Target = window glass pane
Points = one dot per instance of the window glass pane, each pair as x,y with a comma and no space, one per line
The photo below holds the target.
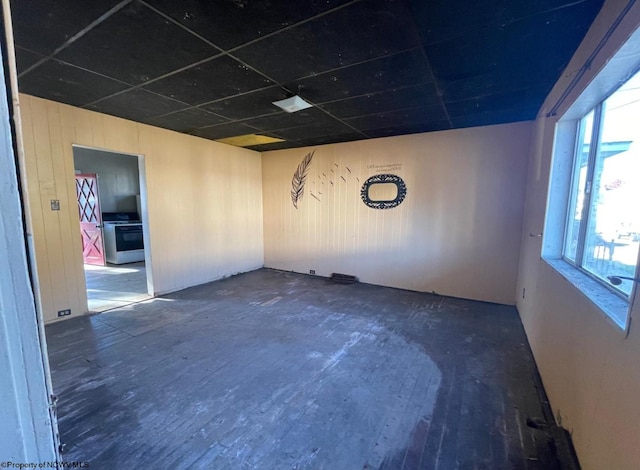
613,229
577,187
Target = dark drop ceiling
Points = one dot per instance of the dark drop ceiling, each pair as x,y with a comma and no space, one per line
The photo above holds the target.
371,68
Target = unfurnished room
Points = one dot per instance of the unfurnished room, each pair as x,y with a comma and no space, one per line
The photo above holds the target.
338,234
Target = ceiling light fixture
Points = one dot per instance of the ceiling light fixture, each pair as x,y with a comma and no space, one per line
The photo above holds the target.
293,104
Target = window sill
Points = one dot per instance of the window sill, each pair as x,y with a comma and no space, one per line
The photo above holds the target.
614,307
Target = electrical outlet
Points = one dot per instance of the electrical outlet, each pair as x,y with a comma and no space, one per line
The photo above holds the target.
312,271
55,204
64,313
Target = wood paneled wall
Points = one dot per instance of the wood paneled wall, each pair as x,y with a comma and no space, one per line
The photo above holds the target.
457,232
204,201
589,367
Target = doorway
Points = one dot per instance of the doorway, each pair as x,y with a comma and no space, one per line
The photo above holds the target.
111,195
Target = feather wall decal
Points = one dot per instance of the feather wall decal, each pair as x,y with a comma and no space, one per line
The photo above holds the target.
299,178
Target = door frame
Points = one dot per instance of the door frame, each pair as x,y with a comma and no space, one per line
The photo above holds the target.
144,216
29,417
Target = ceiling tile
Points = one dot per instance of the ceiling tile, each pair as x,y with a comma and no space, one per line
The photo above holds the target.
399,70
306,117
424,114
218,20
44,33
25,59
523,100
249,105
333,139
187,119
210,81
312,132
358,32
409,128
135,45
231,129
494,117
64,83
442,21
394,99
507,58
137,105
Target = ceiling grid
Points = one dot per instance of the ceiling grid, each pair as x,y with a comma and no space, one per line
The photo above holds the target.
371,68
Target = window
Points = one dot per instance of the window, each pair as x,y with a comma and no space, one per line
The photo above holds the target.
602,231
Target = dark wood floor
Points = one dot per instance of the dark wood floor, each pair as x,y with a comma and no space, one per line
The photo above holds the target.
273,370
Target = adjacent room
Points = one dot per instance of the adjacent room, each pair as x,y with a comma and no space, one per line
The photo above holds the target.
369,234
109,206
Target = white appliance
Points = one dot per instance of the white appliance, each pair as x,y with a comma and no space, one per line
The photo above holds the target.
123,237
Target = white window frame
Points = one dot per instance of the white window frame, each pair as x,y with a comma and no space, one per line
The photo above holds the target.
614,304
596,134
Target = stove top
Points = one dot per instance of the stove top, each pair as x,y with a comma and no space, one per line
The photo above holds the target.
118,218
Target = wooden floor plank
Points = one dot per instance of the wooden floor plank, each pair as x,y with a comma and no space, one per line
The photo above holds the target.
278,370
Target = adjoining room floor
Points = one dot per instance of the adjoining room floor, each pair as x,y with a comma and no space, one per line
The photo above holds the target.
275,370
113,285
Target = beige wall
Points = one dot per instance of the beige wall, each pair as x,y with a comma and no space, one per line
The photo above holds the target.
591,372
204,201
457,232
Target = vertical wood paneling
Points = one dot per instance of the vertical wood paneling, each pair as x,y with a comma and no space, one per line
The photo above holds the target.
456,233
82,125
204,201
97,131
74,244
68,232
44,296
49,232
589,367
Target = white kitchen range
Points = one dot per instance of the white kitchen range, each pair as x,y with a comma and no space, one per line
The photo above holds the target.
123,240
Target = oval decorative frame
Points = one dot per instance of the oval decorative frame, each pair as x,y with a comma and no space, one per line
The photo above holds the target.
385,178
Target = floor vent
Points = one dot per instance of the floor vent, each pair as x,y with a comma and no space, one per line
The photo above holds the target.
338,278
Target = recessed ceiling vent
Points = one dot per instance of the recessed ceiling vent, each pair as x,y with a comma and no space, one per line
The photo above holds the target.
293,104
